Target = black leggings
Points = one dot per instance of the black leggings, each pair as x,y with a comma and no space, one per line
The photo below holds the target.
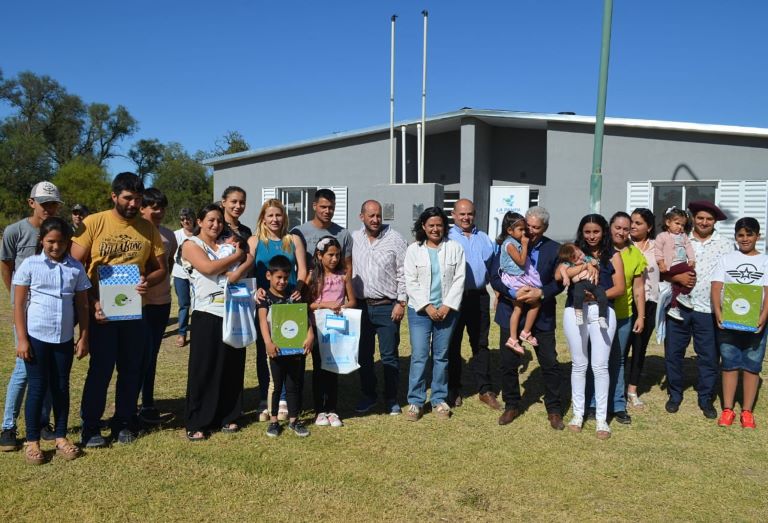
639,344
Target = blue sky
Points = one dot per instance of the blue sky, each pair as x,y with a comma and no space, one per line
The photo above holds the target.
285,71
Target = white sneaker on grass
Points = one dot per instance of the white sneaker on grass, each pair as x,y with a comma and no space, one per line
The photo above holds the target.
322,420
334,420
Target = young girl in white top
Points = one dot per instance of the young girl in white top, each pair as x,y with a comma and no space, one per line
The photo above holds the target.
48,288
517,272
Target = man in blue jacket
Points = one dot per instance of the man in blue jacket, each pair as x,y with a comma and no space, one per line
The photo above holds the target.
543,255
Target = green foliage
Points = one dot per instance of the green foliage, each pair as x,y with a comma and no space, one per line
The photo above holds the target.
183,180
83,181
147,155
232,142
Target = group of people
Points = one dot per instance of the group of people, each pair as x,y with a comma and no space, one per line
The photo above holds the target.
613,272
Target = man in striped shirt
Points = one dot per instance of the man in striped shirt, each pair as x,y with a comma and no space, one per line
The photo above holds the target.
378,281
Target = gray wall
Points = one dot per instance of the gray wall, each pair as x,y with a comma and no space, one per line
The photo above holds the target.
408,200
636,155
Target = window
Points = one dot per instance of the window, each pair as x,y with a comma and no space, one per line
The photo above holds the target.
298,204
666,195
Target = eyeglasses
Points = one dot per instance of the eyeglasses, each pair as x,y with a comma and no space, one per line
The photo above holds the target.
185,219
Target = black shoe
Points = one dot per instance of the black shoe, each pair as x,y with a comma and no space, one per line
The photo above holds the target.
274,430
93,441
48,433
622,417
150,416
299,429
8,441
591,414
673,407
709,411
126,436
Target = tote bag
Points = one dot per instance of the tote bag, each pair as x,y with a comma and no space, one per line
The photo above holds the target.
239,327
339,348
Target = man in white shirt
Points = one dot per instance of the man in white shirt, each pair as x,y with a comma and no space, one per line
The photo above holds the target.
698,322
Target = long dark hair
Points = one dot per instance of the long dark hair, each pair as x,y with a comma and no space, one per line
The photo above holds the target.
605,246
418,226
318,272
54,223
510,219
204,211
649,219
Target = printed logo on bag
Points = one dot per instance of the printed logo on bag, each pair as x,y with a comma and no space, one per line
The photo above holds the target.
745,273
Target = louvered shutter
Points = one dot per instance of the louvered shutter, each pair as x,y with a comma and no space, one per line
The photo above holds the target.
268,193
743,198
340,214
638,195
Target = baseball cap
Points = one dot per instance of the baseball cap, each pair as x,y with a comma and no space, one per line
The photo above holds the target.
44,192
79,207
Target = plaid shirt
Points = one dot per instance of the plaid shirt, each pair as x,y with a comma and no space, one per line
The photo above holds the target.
377,266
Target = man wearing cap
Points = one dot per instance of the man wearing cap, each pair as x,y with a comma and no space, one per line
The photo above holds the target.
79,212
698,322
19,242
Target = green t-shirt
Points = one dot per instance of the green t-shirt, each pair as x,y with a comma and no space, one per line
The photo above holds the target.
634,266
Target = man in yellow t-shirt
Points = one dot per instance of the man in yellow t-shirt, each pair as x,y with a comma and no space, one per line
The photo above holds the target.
118,236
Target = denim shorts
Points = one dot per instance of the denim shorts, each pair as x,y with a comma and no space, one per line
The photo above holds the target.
742,350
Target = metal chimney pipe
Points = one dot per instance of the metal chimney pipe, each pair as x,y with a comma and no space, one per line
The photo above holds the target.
392,104
423,102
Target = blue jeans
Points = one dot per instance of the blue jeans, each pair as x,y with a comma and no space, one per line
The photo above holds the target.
14,396
377,320
184,295
429,336
48,373
700,325
617,399
155,319
113,344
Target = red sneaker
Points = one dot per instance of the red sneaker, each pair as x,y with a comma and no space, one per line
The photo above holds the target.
727,417
747,419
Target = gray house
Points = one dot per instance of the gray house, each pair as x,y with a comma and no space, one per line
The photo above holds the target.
506,160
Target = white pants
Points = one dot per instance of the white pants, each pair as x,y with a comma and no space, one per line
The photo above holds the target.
578,337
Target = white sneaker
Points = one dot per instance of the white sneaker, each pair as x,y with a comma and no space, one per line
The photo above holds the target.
674,313
322,420
685,300
264,415
579,316
282,411
334,420
603,430
603,323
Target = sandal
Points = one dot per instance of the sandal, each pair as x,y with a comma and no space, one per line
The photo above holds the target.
230,428
32,453
528,337
634,401
515,345
196,435
181,340
67,450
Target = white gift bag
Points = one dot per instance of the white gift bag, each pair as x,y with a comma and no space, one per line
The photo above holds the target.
338,347
239,327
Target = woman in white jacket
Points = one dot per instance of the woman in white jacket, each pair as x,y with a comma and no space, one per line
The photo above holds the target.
434,282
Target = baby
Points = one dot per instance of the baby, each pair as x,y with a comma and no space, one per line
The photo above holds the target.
571,257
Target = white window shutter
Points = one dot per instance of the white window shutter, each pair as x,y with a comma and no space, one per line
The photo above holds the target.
638,195
268,193
340,214
743,198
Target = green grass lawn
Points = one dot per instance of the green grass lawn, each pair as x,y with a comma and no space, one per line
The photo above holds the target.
661,468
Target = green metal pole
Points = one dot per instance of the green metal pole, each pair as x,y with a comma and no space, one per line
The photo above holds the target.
596,179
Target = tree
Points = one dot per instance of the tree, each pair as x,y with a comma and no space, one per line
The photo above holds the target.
232,142
81,180
183,180
147,155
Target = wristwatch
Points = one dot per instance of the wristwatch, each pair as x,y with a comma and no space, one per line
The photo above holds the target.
403,303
